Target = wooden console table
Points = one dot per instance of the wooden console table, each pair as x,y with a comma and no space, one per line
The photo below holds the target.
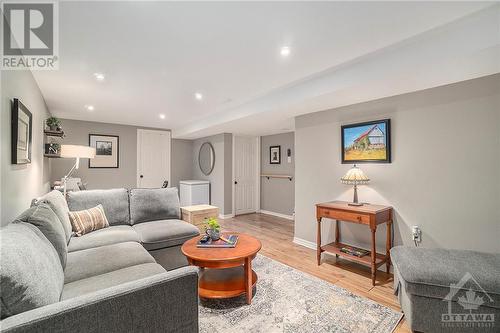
369,215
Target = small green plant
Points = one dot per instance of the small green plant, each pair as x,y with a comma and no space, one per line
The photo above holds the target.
53,122
213,224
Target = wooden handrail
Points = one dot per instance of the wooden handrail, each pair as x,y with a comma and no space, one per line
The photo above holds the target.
268,176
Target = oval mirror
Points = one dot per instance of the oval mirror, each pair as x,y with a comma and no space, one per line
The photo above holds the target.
206,158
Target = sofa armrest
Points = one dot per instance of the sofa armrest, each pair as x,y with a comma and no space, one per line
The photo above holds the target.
166,302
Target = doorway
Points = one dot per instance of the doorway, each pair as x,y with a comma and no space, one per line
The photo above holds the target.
153,158
246,160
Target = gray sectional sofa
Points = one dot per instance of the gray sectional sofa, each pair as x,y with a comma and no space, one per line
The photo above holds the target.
124,278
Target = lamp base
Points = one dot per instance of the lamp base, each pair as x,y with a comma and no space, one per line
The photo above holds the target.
355,204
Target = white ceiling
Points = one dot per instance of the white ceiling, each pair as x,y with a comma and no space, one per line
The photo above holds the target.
156,55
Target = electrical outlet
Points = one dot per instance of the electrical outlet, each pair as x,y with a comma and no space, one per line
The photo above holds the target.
416,233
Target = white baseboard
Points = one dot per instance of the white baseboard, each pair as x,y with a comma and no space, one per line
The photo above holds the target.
305,243
227,216
283,216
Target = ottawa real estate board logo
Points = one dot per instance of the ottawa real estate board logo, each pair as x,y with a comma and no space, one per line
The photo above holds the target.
468,307
30,38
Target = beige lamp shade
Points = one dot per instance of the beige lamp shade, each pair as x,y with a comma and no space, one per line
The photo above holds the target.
75,151
355,176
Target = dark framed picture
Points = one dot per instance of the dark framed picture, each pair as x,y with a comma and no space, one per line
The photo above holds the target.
107,151
21,131
368,142
275,155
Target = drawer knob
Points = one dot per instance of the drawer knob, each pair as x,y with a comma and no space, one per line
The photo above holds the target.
359,218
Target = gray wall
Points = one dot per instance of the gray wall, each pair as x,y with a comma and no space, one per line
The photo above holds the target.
277,195
77,132
21,183
182,161
444,174
220,178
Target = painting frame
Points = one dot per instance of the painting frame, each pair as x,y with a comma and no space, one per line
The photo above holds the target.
273,149
362,125
108,152
21,133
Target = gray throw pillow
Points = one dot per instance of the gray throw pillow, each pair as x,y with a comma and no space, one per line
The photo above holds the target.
154,204
55,199
31,275
42,217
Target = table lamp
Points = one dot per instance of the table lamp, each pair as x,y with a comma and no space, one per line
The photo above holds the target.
355,177
74,151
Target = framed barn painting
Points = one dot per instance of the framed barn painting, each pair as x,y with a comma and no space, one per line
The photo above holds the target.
107,150
21,131
368,142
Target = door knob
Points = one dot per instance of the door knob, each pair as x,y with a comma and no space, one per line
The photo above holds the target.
141,176
235,182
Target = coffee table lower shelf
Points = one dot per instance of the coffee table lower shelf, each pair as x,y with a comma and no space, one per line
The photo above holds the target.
223,283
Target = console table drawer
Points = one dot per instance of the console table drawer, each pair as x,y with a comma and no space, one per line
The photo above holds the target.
344,216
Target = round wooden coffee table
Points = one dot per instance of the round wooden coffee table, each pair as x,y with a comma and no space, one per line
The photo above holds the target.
226,272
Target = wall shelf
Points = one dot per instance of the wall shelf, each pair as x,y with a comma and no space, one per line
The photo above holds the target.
59,134
268,176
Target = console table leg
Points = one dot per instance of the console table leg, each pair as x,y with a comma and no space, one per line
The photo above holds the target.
248,279
388,246
337,235
374,256
318,241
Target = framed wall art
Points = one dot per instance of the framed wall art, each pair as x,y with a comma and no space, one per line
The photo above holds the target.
107,151
367,142
21,131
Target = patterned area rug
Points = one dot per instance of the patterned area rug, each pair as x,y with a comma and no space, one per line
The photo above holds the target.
288,300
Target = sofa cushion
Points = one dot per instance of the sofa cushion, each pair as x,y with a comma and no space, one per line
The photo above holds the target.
154,204
42,217
99,260
31,274
88,220
55,199
107,236
165,233
430,272
110,279
114,202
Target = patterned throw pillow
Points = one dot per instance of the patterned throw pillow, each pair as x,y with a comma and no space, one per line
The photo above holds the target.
85,221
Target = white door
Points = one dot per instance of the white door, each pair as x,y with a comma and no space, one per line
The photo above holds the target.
245,174
153,158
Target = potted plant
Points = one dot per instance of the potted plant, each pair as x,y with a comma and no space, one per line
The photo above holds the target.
213,228
53,123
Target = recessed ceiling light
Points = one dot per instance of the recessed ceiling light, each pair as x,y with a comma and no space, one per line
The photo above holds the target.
162,116
99,76
90,107
198,96
285,51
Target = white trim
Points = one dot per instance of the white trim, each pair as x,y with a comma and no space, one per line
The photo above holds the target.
257,174
232,178
227,216
305,243
283,216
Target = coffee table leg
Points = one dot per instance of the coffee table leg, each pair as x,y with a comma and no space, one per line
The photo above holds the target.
248,279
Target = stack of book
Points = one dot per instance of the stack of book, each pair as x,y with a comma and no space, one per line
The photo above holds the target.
226,241
355,251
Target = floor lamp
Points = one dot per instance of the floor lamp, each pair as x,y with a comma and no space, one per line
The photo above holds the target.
77,152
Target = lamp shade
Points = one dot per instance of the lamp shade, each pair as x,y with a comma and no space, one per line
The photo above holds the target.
75,151
355,176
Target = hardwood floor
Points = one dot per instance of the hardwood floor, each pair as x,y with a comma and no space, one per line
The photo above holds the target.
276,235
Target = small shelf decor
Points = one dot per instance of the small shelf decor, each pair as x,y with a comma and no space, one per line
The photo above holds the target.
53,134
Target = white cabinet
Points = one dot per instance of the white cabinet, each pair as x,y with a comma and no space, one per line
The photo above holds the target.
194,192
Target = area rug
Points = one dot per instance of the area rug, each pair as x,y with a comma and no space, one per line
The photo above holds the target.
288,300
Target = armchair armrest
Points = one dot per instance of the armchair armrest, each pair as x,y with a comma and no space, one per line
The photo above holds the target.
166,302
